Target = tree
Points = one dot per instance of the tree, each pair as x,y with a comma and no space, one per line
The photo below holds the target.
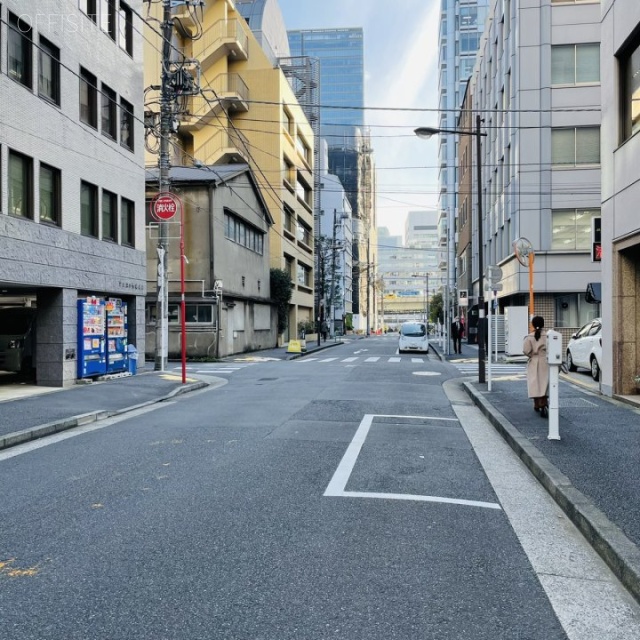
281,292
436,308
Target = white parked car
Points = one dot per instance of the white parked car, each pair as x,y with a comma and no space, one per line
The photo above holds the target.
413,337
585,348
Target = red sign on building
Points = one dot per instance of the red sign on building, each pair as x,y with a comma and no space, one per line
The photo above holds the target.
164,206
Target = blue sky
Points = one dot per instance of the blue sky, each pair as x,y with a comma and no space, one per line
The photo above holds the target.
401,56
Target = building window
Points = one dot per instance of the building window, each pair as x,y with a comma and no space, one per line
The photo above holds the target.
49,71
304,275
241,233
126,124
88,209
193,314
90,8
109,216
303,149
109,109
575,64
287,121
630,87
575,147
571,229
50,194
125,28
20,64
20,185
127,222
88,98
108,17
303,191
289,220
304,234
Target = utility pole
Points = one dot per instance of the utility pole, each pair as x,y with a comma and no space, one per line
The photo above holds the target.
166,114
332,310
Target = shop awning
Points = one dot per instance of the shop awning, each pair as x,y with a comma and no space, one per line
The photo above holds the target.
593,293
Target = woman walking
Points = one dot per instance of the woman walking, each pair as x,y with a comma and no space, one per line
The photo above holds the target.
535,348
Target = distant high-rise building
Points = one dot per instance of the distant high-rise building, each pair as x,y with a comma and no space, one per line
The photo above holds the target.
461,26
341,55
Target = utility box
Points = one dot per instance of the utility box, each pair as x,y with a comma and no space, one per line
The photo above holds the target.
554,347
516,328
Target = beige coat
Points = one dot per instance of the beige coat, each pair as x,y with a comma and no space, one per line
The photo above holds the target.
537,367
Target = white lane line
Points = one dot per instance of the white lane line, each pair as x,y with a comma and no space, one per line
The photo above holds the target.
374,359
395,359
417,360
303,360
349,359
328,360
337,484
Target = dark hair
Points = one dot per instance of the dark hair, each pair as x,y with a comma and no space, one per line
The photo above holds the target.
537,322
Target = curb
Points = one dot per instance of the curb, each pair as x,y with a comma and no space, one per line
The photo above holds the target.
42,431
620,554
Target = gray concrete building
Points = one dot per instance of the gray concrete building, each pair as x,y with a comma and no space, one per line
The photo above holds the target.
71,170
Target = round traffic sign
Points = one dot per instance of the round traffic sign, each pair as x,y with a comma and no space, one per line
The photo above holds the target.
164,206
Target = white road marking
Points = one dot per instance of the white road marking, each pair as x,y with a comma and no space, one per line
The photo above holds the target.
417,360
336,487
373,359
328,360
395,359
349,359
426,373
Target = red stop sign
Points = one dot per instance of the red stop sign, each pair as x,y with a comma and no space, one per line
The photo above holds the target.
164,206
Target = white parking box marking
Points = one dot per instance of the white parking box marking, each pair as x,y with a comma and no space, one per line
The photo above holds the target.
338,483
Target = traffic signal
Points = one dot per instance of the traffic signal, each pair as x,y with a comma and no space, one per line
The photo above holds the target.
596,239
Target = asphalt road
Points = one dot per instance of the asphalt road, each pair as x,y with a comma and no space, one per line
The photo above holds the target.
353,495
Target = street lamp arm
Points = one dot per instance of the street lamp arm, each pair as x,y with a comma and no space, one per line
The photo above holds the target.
428,132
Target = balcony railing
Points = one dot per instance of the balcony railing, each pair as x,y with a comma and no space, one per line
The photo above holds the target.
227,145
227,92
223,38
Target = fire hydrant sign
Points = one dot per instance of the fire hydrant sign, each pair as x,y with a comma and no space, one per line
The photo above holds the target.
164,206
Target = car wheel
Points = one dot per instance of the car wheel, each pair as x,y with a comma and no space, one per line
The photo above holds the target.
570,365
595,369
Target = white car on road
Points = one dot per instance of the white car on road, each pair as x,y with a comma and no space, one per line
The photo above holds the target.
585,348
413,337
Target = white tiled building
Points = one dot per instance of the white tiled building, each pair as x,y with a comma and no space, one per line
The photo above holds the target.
71,167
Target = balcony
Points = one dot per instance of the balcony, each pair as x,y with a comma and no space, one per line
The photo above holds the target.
224,147
225,38
226,93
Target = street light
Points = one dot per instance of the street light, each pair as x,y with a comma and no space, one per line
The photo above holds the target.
426,133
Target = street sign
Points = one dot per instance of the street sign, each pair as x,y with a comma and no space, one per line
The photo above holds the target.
596,239
493,286
463,298
493,273
164,206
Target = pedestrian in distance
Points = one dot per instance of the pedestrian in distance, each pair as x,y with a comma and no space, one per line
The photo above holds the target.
456,335
324,331
535,348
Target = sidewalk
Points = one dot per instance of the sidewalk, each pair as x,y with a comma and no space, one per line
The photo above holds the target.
592,472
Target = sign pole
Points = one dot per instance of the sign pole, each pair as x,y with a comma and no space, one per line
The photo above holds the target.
489,342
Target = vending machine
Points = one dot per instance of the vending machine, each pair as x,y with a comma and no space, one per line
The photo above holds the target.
92,357
117,329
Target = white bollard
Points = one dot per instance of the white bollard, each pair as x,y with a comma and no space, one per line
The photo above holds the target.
554,358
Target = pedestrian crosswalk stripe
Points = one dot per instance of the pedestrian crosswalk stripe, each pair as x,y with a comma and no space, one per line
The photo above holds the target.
417,360
395,359
374,359
328,360
350,359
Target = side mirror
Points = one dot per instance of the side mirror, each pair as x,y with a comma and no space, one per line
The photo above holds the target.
575,335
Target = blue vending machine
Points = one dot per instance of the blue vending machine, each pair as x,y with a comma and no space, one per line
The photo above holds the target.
92,357
117,330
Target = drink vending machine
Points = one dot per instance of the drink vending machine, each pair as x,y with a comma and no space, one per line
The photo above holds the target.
92,359
117,330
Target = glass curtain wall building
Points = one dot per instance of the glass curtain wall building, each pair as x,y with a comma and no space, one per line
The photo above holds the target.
461,26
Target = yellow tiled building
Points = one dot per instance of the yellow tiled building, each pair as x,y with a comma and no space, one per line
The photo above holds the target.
246,112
